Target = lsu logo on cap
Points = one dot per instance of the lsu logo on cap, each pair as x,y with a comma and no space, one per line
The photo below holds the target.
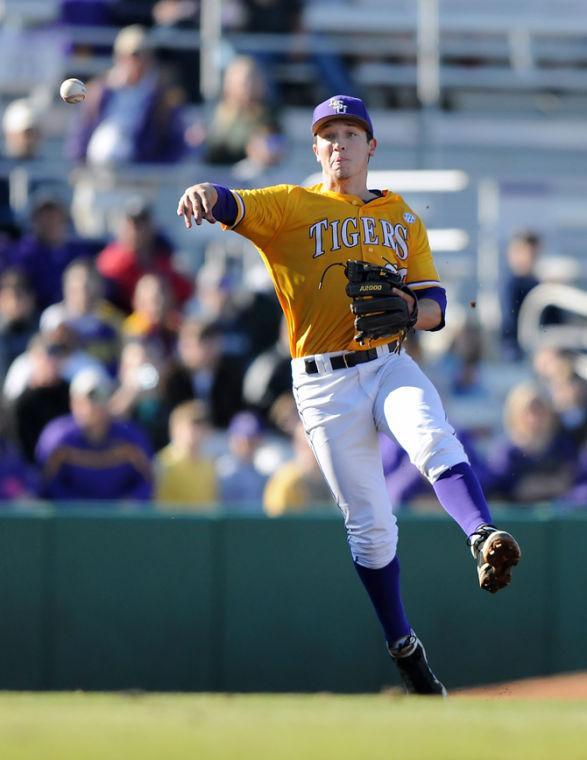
337,105
409,218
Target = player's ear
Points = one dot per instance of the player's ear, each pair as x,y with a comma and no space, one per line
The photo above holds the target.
315,149
372,146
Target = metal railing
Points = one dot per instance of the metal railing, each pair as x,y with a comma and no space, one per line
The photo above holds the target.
570,300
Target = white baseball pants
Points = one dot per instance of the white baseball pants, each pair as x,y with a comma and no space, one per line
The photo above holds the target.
342,412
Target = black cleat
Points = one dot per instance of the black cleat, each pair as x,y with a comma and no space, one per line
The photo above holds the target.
496,552
414,670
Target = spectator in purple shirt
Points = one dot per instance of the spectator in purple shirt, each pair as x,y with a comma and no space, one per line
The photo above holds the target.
130,115
535,460
43,254
88,455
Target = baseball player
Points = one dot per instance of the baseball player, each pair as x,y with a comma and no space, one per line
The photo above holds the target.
353,272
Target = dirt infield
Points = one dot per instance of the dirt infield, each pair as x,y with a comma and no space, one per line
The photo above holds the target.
565,686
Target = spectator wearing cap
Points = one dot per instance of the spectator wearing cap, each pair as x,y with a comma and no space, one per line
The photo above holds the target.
185,478
88,455
241,482
140,248
45,251
95,321
130,115
21,129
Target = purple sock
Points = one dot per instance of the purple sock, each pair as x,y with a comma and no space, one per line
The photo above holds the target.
383,588
459,492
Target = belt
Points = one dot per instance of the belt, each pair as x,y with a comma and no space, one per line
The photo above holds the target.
351,359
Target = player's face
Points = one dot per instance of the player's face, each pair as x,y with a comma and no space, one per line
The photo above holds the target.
89,414
343,150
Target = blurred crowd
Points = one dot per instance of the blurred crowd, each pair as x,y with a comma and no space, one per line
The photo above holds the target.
127,380
135,113
124,379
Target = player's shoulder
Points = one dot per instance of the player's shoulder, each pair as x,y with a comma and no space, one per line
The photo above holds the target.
269,190
401,208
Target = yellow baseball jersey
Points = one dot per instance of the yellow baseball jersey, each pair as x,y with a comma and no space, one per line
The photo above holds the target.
299,231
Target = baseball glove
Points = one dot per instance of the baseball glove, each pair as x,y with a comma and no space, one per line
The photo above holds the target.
379,311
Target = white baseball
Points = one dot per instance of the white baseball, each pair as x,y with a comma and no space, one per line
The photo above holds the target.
73,91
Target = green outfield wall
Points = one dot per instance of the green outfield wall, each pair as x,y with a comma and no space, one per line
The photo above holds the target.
99,600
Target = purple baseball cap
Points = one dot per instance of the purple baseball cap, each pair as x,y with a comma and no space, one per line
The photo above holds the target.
341,107
245,425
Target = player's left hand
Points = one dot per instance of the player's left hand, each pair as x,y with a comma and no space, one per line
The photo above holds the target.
197,202
407,297
383,305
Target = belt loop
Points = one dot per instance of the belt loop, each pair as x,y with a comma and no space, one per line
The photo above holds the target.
323,364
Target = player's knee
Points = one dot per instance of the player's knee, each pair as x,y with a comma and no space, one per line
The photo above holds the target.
373,549
440,450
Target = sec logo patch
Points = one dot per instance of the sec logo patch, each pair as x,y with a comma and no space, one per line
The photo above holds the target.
409,218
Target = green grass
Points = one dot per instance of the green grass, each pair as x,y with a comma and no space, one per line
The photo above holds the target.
79,726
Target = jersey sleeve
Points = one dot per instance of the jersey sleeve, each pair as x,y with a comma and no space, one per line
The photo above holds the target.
261,213
421,268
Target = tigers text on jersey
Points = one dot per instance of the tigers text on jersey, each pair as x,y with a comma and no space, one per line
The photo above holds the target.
299,231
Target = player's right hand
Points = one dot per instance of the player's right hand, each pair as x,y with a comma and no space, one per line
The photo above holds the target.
197,203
